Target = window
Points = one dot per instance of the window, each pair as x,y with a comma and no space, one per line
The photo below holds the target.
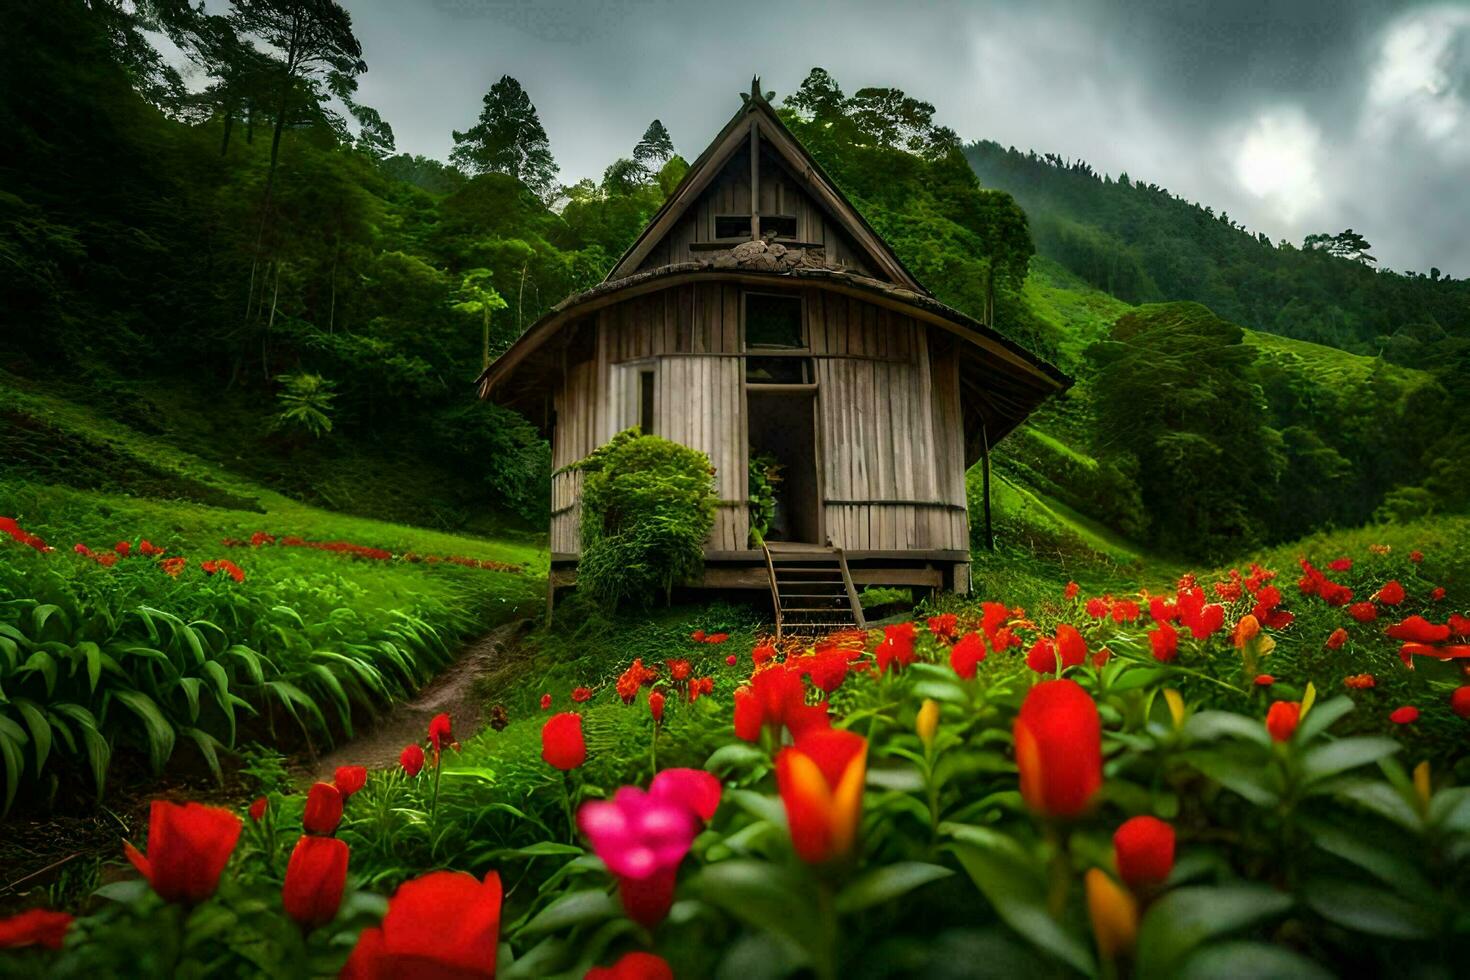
779,370
645,402
732,226
773,321
779,226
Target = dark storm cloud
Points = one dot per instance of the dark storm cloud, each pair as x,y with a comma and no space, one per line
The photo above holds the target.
1294,116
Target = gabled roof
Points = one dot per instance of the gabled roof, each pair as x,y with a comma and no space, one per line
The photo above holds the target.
756,114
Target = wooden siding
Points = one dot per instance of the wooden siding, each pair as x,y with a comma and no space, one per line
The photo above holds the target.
889,436
780,193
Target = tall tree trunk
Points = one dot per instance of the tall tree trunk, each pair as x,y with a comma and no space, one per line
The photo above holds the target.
224,144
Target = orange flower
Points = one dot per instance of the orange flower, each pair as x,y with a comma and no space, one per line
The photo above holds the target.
1246,630
820,779
1058,749
1359,681
1114,915
1281,720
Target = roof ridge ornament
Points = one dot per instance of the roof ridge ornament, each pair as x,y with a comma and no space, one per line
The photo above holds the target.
755,94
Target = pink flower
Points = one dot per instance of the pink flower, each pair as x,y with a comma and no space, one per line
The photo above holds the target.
642,836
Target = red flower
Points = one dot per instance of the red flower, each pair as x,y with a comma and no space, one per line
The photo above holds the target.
655,708
349,779
731,660
1098,608
637,965
1459,626
827,669
37,927
581,695
441,733
967,654
1416,556
1417,629
173,566
943,626
315,878
188,846
257,809
1164,642
412,759
717,638
1343,564
1281,720
820,779
1363,612
443,924
1437,593
1162,611
323,809
679,670
1460,701
776,698
1405,715
1201,618
897,646
562,744
1125,611
697,636
763,654
546,702
1071,646
1391,594
1337,639
1042,657
123,548
1070,592
1264,680
1358,682
1144,850
993,616
1058,739
150,549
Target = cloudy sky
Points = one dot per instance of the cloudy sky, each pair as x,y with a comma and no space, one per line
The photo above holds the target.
1295,116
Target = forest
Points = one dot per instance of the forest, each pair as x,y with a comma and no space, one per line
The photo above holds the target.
239,334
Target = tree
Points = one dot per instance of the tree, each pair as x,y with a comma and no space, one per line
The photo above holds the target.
477,295
314,37
655,148
1347,245
507,139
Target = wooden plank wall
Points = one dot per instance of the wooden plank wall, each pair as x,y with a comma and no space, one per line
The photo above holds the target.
889,430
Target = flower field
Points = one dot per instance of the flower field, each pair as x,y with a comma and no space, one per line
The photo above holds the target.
1238,773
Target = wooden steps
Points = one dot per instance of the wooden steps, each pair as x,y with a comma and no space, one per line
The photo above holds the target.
811,589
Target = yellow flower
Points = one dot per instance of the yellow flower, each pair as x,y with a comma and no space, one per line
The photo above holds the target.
1421,785
1114,915
1176,706
928,722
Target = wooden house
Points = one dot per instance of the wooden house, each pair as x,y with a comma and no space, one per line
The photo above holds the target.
758,314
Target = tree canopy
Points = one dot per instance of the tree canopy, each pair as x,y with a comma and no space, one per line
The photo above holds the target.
507,139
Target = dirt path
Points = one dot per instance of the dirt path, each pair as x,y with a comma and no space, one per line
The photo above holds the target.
452,692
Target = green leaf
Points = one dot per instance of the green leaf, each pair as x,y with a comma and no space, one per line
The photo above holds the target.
221,691
1208,726
41,614
1250,779
160,732
1392,870
126,892
40,728
1343,754
1016,890
1136,677
93,655
1321,717
1449,809
14,762
1187,917
42,662
1258,961
1369,909
764,895
573,909
99,752
208,747
888,882
758,805
736,755
1384,800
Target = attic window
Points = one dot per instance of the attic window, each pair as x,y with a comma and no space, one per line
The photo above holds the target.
778,225
645,402
732,226
773,321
